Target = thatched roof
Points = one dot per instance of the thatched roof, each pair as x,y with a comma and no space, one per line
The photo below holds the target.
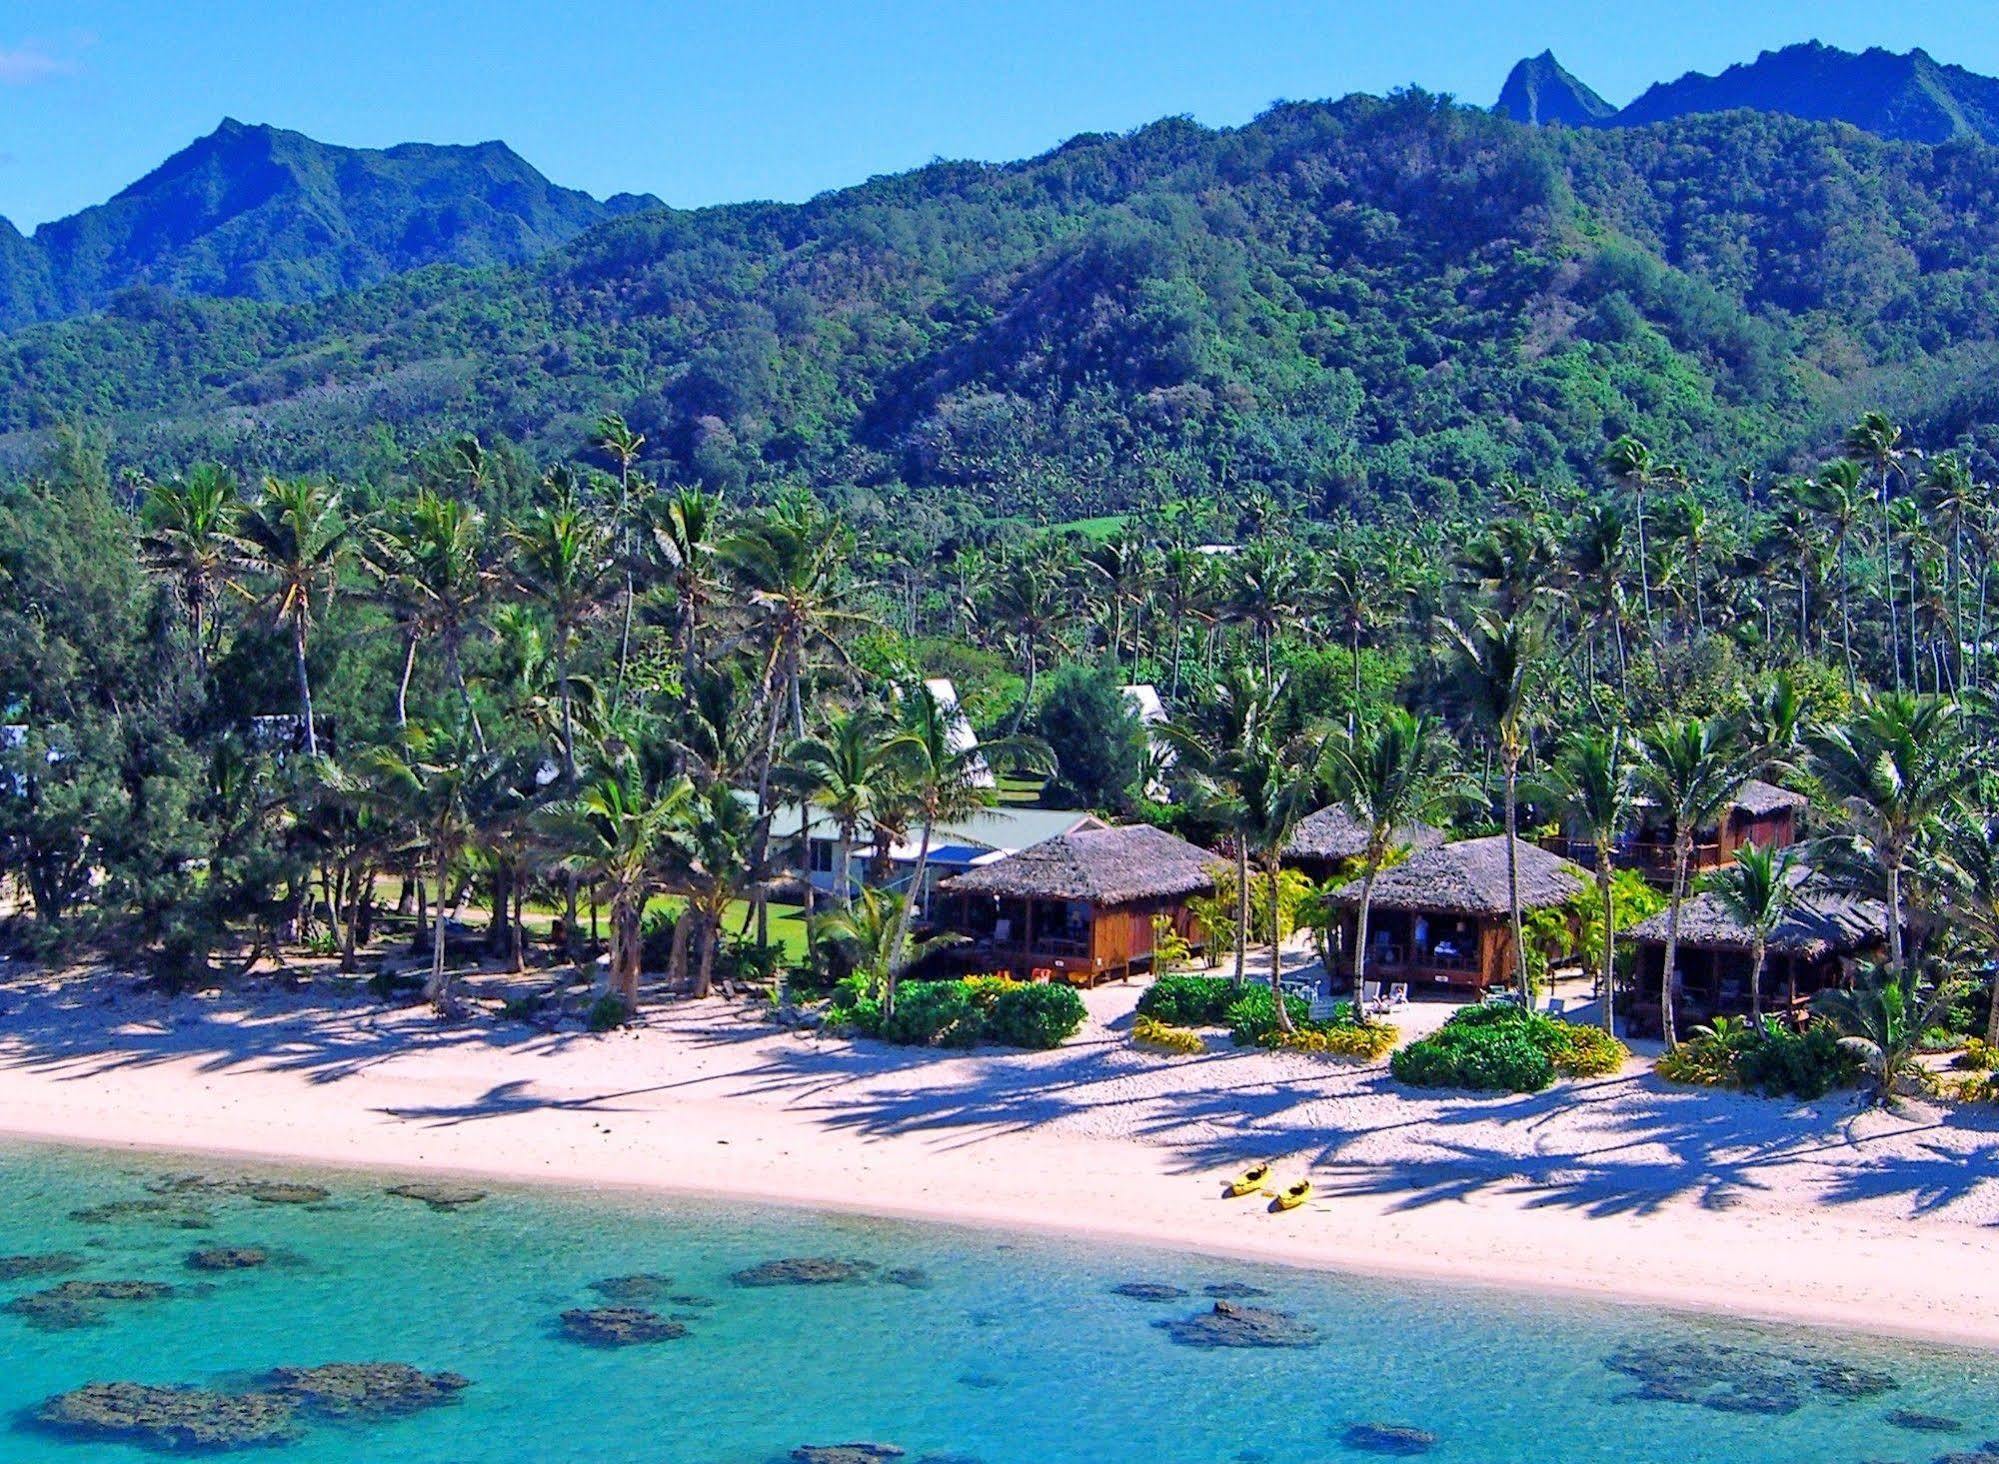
1823,922
1469,878
1333,833
1096,866
1759,799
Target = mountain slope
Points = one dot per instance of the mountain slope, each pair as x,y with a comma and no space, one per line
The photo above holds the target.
260,212
1352,302
1908,97
1541,91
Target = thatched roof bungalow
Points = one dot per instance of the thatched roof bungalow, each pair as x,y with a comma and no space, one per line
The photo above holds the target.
1325,840
1815,947
1762,814
1079,907
1441,918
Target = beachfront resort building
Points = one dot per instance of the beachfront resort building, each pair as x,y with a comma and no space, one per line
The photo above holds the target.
1325,842
1817,946
1763,814
1080,907
1441,919
886,858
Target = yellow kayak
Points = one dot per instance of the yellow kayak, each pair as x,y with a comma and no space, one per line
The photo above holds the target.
1250,1180
1296,1195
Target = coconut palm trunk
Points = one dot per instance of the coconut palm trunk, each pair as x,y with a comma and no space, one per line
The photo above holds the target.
1277,945
1606,889
1669,980
304,685
1513,880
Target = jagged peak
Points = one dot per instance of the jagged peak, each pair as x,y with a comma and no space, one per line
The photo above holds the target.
1541,90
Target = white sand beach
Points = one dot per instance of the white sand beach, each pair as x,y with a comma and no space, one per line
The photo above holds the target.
1622,1188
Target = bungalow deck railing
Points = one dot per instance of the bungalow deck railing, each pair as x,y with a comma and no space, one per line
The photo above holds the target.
1400,958
1650,857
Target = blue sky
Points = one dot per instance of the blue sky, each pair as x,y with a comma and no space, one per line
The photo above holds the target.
707,103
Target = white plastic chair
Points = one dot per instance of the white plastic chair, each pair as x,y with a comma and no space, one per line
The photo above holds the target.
1398,994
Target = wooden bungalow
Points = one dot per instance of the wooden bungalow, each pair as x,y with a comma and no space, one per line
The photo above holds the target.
1079,907
1816,947
1763,814
1441,920
1325,841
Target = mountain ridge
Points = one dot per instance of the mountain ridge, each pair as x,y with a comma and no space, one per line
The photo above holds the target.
1905,96
268,213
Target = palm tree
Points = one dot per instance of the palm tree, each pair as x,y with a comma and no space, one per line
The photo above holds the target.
849,770
1952,496
1896,768
1875,441
1240,711
191,537
615,833
1274,783
1836,495
1027,598
1883,1018
622,445
1592,785
1268,590
945,781
1759,889
866,931
1597,564
432,781
1632,464
1693,771
562,559
1968,871
432,562
714,853
1387,778
679,544
1504,660
297,541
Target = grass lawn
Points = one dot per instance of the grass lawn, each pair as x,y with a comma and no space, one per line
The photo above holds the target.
1020,790
1098,529
787,923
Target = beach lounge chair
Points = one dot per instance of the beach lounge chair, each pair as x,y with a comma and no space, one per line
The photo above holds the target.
1398,994
1370,996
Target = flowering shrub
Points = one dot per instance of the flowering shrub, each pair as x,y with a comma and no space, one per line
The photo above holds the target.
1157,1036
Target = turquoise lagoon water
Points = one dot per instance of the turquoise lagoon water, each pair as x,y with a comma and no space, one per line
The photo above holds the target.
1015,1352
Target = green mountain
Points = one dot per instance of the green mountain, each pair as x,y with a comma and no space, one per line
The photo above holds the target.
1542,91
1361,300
1908,97
274,215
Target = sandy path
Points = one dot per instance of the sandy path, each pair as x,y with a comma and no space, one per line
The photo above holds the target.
1620,1188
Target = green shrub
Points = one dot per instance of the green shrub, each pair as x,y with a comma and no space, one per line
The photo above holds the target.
1370,1043
960,1013
521,1008
1038,1016
1253,1014
1506,1048
607,1013
933,1014
1807,1064
1158,1036
1731,1052
1483,1059
1583,1051
1979,1056
1189,1001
